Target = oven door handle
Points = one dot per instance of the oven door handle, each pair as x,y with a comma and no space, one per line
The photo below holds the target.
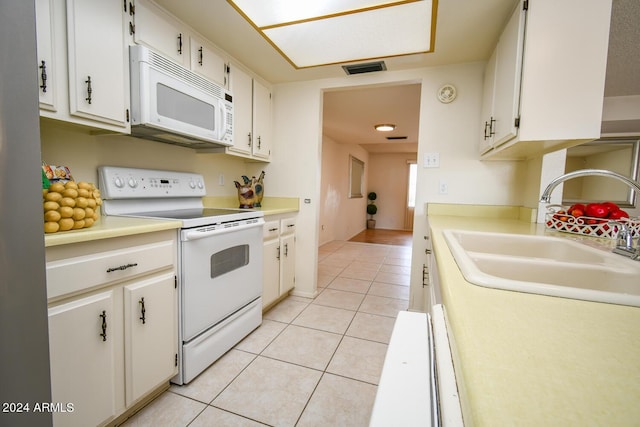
195,234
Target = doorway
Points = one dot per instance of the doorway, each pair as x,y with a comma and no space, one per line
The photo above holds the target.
349,117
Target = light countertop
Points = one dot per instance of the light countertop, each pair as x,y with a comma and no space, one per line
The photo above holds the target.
534,360
108,227
270,205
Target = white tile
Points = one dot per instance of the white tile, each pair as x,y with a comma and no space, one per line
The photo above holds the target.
328,319
269,391
259,339
351,285
206,386
169,409
358,359
371,327
219,418
339,401
339,299
285,311
389,291
394,279
383,306
304,346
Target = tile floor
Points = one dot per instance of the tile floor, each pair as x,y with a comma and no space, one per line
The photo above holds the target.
312,362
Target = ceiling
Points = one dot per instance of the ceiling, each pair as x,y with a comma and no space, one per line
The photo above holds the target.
462,35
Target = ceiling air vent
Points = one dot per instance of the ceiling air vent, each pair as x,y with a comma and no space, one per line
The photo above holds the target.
393,138
368,67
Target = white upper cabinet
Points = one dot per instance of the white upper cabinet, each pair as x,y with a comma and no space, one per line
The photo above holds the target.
46,54
159,31
85,78
251,116
261,120
546,90
162,32
98,71
207,62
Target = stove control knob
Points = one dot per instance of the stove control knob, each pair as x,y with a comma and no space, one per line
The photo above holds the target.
118,182
133,183
200,185
192,184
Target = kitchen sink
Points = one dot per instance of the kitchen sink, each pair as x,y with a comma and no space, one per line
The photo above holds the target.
545,265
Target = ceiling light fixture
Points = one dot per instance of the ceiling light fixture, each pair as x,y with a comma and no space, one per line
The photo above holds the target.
385,127
310,34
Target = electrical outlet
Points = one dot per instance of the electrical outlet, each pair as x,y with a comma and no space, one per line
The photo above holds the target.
443,187
431,160
221,179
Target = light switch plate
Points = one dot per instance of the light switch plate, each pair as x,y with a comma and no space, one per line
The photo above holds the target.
431,160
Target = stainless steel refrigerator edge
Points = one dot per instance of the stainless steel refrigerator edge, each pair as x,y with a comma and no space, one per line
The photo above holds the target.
24,352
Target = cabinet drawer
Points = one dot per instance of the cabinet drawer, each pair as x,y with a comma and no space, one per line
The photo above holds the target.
288,225
271,230
75,274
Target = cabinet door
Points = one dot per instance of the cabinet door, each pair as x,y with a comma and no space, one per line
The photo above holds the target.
207,62
271,272
46,54
241,85
157,30
98,62
508,77
287,263
83,337
487,103
150,319
261,121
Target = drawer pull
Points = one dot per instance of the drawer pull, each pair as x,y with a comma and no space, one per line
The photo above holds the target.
122,267
104,325
142,311
273,229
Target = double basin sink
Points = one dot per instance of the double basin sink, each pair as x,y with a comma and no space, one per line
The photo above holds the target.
545,265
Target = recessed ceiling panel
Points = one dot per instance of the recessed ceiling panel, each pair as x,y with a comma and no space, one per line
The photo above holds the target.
266,13
342,31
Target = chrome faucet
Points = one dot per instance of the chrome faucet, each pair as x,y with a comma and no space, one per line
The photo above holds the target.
546,194
624,244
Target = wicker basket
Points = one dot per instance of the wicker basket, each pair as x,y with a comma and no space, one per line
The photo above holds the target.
558,219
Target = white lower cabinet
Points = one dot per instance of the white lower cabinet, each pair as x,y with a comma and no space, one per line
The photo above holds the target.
150,339
84,339
114,342
279,258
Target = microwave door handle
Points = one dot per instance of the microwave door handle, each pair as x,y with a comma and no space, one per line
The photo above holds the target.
222,121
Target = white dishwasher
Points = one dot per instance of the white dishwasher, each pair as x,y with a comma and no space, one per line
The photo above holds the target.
418,384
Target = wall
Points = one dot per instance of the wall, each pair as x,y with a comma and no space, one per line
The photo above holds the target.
453,130
388,177
83,152
340,217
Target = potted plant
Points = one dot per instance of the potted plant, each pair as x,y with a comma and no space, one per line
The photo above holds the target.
372,209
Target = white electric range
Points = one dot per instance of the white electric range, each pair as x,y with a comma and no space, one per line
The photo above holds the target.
219,259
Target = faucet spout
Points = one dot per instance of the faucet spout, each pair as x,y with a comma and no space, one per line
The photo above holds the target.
546,194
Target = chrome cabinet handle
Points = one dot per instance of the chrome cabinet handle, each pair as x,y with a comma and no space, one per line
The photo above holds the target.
259,142
142,311
104,325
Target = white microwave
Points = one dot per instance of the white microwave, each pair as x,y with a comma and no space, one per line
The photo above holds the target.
177,106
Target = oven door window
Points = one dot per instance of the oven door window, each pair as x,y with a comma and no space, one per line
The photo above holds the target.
229,259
